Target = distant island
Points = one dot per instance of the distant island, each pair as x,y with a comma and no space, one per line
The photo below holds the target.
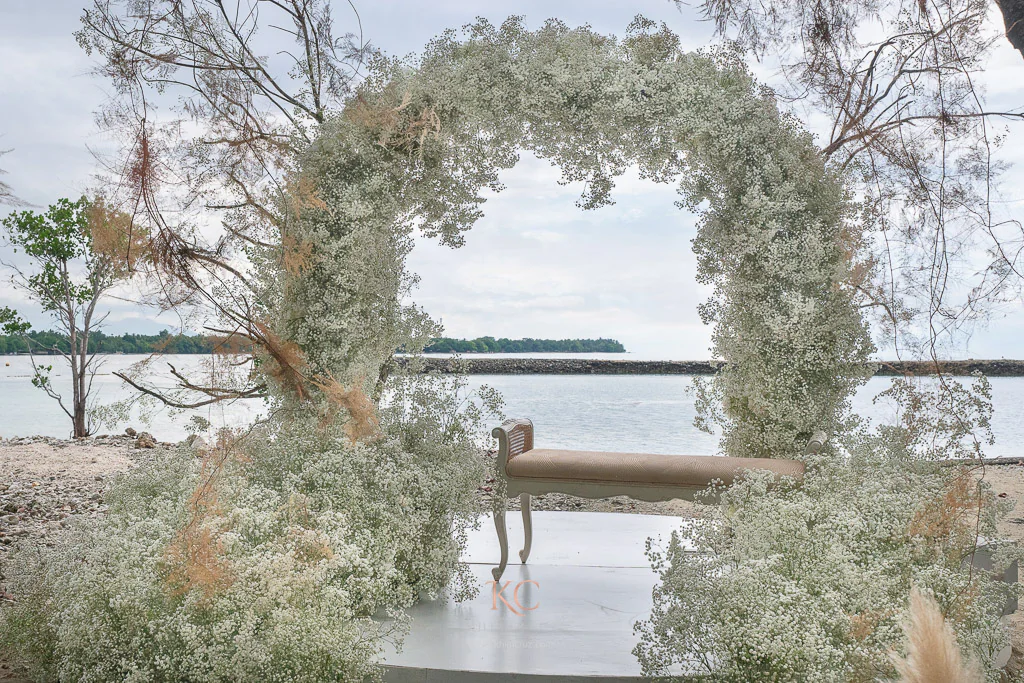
503,345
165,342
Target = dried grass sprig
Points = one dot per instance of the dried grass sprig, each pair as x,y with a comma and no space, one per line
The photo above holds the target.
296,255
116,237
952,516
302,194
933,655
194,559
287,364
394,128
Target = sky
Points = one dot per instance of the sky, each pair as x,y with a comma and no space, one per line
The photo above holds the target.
534,266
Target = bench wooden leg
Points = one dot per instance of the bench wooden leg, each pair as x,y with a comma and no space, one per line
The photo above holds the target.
499,525
524,503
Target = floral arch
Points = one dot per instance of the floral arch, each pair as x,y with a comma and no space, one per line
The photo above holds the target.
268,557
776,235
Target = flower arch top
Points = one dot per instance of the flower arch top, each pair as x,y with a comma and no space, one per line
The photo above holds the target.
420,141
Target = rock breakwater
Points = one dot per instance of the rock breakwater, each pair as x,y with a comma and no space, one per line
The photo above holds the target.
585,366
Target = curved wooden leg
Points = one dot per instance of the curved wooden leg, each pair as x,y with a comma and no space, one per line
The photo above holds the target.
524,503
499,525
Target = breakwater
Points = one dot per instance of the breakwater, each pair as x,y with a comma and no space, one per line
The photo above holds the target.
584,366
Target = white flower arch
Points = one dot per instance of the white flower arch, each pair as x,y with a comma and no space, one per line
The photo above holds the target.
776,235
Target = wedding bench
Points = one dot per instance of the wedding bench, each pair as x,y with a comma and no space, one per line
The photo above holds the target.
526,471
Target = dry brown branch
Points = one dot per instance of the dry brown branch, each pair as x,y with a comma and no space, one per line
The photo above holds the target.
216,394
116,238
286,363
232,344
297,256
362,422
195,560
396,126
951,516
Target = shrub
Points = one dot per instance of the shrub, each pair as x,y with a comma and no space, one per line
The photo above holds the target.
283,554
811,582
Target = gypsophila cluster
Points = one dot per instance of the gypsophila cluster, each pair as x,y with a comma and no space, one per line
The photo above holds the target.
811,582
776,236
282,570
285,592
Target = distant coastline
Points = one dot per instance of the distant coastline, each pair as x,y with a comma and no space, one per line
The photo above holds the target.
528,345
525,364
165,342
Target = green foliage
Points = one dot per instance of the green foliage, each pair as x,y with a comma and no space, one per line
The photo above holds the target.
11,324
67,274
504,345
53,240
164,342
99,342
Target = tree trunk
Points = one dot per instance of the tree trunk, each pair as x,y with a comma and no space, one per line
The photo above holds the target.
81,428
80,374
1013,19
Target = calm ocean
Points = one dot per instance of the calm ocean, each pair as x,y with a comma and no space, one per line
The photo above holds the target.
649,413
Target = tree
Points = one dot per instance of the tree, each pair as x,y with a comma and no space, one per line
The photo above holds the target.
76,253
1013,21
251,116
895,83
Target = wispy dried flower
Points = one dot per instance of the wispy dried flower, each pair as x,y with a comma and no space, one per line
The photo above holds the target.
933,655
362,412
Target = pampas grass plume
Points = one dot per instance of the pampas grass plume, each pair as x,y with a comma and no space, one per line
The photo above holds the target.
933,655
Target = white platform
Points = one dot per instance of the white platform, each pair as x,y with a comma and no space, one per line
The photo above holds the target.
592,584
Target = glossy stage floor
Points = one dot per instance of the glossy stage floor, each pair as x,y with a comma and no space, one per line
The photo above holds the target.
566,616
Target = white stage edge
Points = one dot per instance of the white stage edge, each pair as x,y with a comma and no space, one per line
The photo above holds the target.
566,616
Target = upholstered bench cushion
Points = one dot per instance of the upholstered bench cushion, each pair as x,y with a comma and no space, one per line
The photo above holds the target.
641,468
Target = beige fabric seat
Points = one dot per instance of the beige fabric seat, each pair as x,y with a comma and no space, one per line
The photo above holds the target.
641,468
526,471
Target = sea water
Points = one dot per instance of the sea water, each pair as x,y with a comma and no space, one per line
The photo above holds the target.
645,413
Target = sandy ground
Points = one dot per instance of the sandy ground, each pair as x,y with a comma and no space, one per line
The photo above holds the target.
44,482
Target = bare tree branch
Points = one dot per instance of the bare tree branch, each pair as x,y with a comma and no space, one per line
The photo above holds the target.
249,115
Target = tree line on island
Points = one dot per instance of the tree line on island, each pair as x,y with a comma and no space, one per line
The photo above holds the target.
166,342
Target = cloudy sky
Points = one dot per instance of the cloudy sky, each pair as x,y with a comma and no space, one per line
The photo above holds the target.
534,266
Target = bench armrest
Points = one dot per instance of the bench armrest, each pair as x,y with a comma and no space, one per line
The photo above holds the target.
514,438
816,443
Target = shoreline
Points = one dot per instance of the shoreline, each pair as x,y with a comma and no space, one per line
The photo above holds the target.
591,366
504,364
